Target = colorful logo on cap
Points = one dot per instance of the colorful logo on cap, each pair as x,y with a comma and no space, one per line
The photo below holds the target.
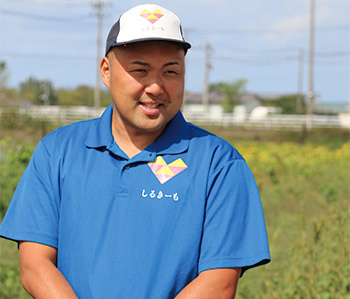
163,171
152,17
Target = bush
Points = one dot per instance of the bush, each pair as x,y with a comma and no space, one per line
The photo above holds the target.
10,282
13,161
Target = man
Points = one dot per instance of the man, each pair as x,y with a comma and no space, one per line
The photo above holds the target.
137,203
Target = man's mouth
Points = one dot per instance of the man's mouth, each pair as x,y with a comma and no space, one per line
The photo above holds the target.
150,106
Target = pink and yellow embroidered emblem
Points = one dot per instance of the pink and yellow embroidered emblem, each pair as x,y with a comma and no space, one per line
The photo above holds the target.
163,171
152,17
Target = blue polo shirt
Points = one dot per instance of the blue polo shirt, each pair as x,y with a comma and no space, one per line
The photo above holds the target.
142,227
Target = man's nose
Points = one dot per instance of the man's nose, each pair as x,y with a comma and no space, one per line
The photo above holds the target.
155,87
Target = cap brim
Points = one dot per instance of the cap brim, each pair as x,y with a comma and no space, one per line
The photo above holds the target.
183,44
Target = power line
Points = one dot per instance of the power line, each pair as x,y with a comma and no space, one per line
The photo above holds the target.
218,31
282,56
259,51
46,57
70,4
42,17
279,61
225,57
333,54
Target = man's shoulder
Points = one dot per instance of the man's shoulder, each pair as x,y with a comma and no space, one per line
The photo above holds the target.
76,132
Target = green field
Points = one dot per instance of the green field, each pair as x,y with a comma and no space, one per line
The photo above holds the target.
304,184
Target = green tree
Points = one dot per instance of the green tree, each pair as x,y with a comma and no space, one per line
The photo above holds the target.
82,95
40,92
3,75
6,94
287,104
231,92
106,97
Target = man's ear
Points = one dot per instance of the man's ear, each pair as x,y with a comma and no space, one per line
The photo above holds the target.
105,70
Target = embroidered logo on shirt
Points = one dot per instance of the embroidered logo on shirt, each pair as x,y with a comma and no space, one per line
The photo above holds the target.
152,17
163,171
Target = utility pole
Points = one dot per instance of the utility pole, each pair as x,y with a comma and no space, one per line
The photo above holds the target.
45,97
300,81
98,5
310,93
206,78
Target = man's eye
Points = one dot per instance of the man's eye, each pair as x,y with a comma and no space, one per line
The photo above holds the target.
171,72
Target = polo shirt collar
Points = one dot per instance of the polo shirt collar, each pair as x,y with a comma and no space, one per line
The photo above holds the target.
173,140
101,133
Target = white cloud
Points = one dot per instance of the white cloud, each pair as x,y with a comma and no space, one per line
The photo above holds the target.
333,12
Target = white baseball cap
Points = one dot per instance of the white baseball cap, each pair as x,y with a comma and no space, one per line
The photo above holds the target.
146,22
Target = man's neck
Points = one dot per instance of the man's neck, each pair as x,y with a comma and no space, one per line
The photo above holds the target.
130,141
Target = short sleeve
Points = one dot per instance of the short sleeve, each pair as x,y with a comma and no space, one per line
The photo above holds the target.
34,209
234,232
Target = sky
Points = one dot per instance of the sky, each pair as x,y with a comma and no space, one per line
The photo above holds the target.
264,42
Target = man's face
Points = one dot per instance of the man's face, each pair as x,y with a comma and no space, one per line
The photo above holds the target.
146,81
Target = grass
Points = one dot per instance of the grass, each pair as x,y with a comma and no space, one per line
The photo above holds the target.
306,204
10,282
